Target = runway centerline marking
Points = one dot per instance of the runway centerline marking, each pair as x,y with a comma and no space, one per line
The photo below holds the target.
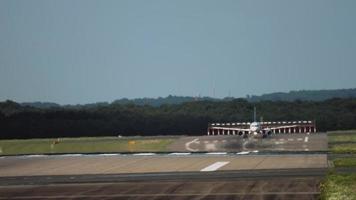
306,139
214,167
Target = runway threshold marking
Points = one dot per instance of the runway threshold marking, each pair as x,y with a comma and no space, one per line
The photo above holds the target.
214,167
306,139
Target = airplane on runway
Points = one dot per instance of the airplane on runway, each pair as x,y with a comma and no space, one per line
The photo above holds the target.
255,128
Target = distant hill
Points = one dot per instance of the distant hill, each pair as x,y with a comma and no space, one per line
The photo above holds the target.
305,95
163,100
41,104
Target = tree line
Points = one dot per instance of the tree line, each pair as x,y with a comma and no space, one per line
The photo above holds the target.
190,118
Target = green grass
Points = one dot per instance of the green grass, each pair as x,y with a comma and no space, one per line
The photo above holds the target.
343,148
342,141
339,187
85,145
345,162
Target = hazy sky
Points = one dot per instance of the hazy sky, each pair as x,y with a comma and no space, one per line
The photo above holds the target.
83,51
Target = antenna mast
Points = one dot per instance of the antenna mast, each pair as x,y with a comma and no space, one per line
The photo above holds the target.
254,113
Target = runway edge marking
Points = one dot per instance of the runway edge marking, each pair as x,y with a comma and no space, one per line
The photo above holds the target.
214,166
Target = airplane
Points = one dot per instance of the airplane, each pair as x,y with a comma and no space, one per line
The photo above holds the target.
255,128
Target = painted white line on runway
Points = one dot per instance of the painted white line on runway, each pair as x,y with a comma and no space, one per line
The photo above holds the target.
306,139
281,139
180,154
35,156
187,145
214,167
144,154
108,154
243,153
216,153
290,139
71,155
255,151
215,141
300,139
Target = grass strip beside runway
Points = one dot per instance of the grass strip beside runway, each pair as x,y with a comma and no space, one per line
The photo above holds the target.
342,141
84,145
339,186
345,162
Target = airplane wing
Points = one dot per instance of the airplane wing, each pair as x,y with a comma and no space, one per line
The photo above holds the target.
230,128
279,127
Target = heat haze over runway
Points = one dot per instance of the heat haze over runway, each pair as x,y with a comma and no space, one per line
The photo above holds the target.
234,143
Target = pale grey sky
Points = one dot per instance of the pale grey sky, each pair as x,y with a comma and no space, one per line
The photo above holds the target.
84,51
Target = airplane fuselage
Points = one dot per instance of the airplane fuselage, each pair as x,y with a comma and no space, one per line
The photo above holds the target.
255,128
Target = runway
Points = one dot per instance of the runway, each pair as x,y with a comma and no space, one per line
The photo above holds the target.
230,168
234,143
255,184
144,163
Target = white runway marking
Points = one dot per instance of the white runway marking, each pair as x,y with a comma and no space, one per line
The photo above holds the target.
71,155
243,153
306,139
180,154
214,167
281,139
290,139
216,153
300,139
144,154
215,141
108,154
278,142
187,145
35,156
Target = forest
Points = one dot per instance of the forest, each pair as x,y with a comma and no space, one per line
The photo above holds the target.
190,118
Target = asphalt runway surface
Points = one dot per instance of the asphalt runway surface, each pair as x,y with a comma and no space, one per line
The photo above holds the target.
256,184
235,143
229,171
67,165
